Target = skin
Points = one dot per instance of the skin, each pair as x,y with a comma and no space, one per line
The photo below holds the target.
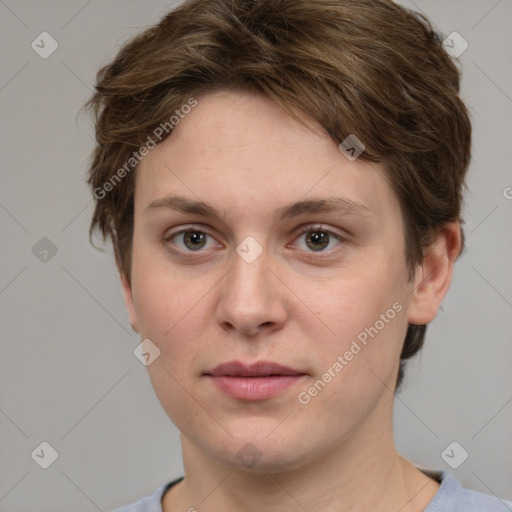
293,305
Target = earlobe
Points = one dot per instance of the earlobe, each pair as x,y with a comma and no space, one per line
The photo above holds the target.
434,275
128,299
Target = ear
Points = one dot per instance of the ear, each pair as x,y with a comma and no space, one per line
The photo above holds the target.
128,298
433,277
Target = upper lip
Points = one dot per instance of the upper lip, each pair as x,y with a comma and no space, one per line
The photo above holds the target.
259,369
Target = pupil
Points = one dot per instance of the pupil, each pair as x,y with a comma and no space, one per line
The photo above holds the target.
193,238
319,239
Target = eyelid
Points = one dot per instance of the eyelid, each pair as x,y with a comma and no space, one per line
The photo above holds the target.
318,226
185,229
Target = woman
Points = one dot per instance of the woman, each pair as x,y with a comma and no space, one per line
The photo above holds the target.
282,182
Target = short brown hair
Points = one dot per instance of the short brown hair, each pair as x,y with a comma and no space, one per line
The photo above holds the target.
364,67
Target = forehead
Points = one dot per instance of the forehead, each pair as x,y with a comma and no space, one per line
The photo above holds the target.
242,152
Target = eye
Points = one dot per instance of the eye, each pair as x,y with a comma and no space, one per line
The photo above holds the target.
318,238
192,240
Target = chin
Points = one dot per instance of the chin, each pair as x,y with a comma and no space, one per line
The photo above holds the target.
265,450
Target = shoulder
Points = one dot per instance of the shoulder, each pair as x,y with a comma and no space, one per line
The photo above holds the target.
151,503
452,497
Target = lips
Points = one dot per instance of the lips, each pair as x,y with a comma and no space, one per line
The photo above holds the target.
258,381
259,369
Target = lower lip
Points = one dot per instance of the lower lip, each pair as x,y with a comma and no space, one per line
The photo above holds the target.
254,388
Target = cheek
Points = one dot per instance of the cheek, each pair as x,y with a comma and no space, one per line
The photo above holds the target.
356,368
346,306
362,319
171,313
161,300
161,294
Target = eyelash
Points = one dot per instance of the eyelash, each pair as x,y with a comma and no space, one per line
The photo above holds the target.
311,228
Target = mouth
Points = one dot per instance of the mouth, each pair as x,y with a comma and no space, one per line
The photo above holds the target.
258,381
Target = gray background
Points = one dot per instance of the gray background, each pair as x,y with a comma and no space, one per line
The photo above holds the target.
68,375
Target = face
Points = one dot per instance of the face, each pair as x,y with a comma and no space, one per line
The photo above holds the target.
257,240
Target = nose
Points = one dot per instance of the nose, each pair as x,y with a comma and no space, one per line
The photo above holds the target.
252,299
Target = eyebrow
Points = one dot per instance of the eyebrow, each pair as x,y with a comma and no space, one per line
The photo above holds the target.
338,205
